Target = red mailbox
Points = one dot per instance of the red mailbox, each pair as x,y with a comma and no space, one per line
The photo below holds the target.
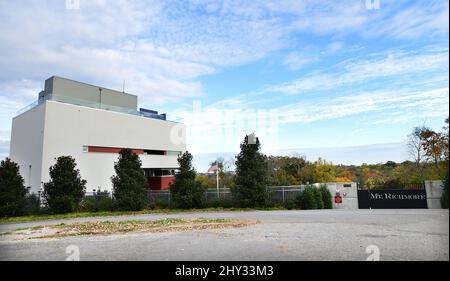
337,199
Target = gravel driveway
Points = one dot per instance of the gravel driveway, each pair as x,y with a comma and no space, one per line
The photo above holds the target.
282,235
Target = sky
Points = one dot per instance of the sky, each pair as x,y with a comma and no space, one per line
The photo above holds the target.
344,80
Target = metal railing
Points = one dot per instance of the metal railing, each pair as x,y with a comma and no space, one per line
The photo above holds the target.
90,104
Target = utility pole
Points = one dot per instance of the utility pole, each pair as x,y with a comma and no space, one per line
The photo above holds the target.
217,184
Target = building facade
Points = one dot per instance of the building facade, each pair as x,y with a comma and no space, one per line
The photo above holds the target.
92,124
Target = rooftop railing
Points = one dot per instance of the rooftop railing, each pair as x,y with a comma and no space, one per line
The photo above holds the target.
91,104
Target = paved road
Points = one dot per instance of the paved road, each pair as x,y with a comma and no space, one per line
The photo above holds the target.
282,235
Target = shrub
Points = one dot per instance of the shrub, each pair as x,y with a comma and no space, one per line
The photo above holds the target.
327,198
251,175
307,199
188,194
12,190
222,203
318,197
393,183
101,201
290,204
129,183
444,199
185,190
65,190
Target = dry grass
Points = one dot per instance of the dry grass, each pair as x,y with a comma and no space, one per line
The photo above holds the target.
44,217
135,226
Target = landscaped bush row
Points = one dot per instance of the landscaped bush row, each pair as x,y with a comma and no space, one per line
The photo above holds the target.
65,192
101,201
312,198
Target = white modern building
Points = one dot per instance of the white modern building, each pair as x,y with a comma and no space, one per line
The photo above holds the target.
92,124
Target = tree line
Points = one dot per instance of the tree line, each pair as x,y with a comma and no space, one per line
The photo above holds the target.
428,151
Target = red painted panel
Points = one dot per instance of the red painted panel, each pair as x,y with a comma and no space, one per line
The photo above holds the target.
154,183
103,149
166,181
160,183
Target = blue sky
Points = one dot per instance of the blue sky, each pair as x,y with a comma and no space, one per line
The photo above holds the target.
304,75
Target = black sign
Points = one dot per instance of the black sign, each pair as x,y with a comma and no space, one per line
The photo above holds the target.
392,199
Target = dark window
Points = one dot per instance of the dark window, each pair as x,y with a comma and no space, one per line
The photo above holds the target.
154,152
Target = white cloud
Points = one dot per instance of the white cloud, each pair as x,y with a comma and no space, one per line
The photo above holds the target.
357,71
414,104
162,49
428,17
295,61
225,122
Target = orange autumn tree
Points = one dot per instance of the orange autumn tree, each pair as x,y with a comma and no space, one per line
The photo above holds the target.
345,176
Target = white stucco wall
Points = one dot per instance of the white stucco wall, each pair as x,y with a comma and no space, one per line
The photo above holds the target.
69,127
27,136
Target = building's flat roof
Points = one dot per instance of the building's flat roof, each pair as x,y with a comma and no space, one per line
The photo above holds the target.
80,94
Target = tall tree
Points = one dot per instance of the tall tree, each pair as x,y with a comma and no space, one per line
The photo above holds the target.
186,191
129,183
445,140
65,190
12,190
251,174
434,145
324,171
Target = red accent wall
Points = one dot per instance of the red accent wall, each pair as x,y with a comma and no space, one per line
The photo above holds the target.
160,183
111,149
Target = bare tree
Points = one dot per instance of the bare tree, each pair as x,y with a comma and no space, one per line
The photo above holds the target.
415,144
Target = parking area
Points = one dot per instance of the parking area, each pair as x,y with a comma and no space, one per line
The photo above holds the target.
281,235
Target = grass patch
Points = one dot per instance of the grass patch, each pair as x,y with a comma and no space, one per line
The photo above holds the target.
131,226
120,213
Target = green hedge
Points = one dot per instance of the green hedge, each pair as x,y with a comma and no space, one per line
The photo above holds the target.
327,198
101,201
306,200
312,198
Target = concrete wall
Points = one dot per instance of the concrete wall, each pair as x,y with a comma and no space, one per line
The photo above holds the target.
434,191
348,192
68,128
63,87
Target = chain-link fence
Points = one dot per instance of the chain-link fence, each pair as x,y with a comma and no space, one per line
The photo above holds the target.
278,195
